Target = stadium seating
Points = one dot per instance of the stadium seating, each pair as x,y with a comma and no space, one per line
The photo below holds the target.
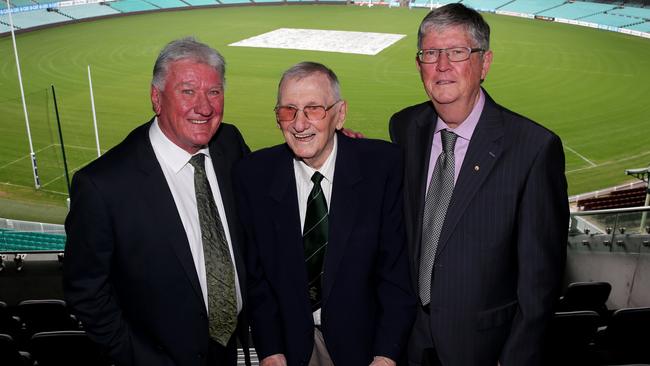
641,27
87,11
485,5
235,1
19,3
610,19
70,348
20,241
10,354
44,316
625,339
167,4
128,6
34,18
576,10
571,338
531,6
580,296
618,199
4,28
633,12
9,323
201,2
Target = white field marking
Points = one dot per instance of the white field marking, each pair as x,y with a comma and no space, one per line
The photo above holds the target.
610,162
362,43
581,156
24,186
25,157
71,172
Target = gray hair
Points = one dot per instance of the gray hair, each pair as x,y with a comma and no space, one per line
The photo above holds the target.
308,68
456,14
186,49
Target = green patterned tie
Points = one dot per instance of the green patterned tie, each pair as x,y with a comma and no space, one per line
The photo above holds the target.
314,238
220,273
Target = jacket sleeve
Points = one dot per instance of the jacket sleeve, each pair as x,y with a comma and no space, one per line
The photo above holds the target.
542,224
396,297
87,278
262,308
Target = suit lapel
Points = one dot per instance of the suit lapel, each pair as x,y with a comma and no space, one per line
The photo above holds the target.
286,221
222,169
422,142
482,154
156,193
344,208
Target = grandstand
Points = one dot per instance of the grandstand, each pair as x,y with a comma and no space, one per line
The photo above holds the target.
576,10
607,14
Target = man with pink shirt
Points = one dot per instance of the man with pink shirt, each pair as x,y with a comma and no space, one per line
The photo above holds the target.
485,207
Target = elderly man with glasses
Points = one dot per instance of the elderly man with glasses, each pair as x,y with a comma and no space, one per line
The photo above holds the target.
485,207
328,280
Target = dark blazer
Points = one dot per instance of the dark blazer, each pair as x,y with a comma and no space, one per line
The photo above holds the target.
128,273
368,302
501,252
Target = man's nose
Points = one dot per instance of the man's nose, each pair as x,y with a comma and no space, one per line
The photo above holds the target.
301,123
443,63
203,106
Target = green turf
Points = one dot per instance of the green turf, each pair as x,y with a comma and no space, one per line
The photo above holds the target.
590,86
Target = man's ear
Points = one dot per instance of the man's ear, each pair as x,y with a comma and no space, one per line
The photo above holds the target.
155,100
340,116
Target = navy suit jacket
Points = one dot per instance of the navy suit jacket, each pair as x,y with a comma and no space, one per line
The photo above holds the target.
128,274
501,253
368,303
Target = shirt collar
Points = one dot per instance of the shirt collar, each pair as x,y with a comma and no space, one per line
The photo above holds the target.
466,129
327,170
170,153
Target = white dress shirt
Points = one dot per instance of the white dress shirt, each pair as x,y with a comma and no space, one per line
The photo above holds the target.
303,173
179,174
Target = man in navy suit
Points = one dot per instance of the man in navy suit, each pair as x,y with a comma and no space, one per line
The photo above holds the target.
328,278
486,208
136,268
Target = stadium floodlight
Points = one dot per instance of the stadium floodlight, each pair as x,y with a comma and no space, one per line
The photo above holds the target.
92,105
642,174
32,155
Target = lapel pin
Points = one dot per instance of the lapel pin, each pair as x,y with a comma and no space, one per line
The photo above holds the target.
492,154
477,168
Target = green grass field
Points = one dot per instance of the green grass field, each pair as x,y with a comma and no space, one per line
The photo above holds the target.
590,86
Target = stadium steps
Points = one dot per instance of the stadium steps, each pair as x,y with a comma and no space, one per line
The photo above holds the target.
551,8
202,2
64,14
590,15
506,4
8,26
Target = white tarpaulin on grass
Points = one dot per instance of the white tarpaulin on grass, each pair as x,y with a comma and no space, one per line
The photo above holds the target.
363,43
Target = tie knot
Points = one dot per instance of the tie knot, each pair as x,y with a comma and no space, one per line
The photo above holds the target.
448,141
316,178
198,161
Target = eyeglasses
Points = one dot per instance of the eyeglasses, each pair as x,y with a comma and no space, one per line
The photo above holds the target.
454,54
314,113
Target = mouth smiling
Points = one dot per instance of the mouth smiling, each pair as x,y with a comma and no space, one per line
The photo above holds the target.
303,136
198,122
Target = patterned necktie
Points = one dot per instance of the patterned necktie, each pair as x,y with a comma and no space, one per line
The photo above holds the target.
314,238
435,208
220,273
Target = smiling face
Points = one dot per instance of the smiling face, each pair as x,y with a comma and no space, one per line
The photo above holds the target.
453,87
311,141
190,106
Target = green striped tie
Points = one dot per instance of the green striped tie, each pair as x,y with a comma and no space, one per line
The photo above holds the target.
315,240
220,273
